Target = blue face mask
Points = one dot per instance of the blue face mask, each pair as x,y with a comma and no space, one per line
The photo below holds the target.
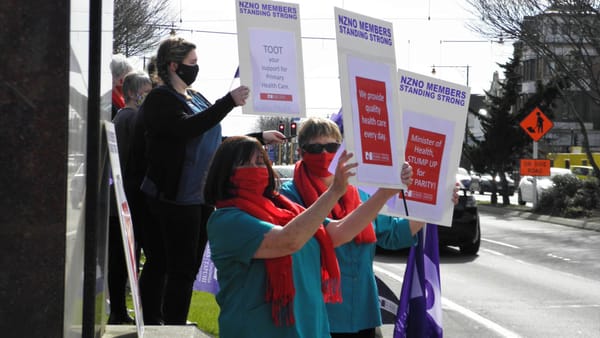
187,73
139,100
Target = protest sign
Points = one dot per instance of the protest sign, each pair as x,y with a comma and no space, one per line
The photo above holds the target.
434,114
126,224
368,86
270,53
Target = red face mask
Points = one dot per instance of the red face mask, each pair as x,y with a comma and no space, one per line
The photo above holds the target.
253,180
318,164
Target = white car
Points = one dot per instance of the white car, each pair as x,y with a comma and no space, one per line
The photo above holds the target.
285,172
525,190
464,178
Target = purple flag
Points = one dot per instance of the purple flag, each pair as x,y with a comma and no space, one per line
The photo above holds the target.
420,308
206,279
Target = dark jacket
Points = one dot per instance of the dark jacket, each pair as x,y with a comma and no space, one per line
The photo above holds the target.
169,124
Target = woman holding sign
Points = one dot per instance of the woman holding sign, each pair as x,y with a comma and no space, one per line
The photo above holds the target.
359,314
182,131
275,261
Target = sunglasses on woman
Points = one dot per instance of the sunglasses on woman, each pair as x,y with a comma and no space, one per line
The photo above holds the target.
316,148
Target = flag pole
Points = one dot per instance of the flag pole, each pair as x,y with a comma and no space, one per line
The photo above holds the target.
404,200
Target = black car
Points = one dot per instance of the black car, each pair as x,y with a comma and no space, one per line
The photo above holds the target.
465,232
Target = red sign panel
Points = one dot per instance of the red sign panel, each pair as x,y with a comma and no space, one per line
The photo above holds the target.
424,150
275,97
531,167
373,121
536,124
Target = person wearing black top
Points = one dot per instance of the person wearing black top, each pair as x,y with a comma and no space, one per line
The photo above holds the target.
182,131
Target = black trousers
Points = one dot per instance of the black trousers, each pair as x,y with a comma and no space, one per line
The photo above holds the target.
152,276
367,333
182,232
117,269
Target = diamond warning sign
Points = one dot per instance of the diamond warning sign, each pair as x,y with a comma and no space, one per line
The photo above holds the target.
536,124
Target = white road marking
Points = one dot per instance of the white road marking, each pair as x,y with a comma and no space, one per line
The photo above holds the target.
558,257
500,243
450,305
493,252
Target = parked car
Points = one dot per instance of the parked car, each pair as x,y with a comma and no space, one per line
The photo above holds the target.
285,172
464,178
475,181
486,183
582,171
543,183
465,231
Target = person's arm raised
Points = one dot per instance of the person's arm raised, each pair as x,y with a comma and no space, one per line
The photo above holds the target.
282,241
346,229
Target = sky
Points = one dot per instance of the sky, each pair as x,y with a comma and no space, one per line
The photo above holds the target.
426,33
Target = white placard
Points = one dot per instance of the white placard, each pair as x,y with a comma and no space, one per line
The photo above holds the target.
270,52
368,85
126,224
434,113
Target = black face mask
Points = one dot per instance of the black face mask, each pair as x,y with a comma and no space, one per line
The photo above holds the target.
187,73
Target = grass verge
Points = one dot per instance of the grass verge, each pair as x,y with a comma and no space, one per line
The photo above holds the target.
204,311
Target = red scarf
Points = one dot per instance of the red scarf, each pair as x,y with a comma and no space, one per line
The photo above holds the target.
251,183
311,187
117,97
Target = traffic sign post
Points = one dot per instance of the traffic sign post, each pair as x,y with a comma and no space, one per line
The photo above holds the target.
536,125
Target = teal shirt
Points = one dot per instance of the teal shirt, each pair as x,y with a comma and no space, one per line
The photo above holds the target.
360,307
234,237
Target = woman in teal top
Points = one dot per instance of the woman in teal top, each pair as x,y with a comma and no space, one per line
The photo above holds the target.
246,313
275,260
359,314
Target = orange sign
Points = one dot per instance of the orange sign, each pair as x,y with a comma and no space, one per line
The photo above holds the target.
536,124
535,167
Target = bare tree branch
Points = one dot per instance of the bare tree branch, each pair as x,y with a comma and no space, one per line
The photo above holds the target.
562,35
139,25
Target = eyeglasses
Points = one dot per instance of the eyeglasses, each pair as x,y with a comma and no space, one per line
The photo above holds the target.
316,148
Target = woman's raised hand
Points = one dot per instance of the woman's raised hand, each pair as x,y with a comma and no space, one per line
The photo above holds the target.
343,172
240,94
406,174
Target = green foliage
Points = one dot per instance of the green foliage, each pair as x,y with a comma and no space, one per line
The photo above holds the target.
504,142
570,197
204,311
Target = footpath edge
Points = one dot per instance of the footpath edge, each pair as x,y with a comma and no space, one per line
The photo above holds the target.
592,223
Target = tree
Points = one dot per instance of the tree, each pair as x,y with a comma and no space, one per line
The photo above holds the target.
139,25
565,36
504,142
272,122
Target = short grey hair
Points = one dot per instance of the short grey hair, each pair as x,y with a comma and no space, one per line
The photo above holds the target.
119,66
133,81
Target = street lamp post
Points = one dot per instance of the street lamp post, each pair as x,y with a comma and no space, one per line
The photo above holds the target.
466,67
